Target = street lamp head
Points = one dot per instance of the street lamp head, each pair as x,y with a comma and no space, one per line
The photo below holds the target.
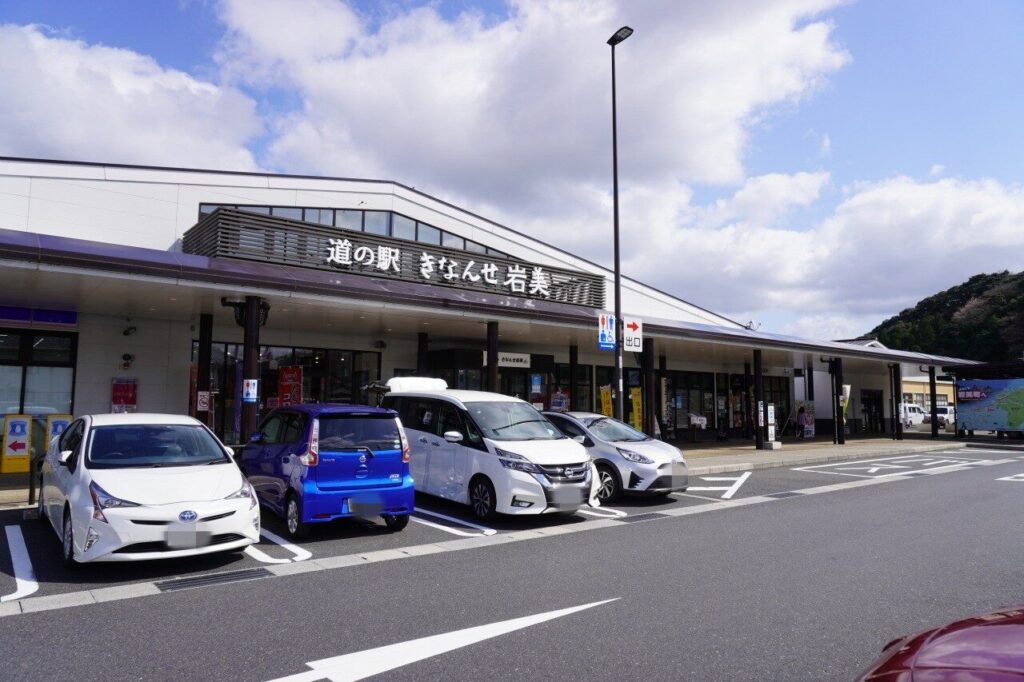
620,35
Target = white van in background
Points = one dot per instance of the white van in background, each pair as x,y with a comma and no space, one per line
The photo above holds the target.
912,415
496,453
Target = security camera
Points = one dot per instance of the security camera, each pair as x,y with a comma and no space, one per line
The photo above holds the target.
129,330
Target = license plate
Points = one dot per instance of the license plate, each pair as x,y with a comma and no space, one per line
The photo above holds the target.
364,508
187,539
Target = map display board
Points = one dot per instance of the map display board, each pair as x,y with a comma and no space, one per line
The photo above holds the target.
990,404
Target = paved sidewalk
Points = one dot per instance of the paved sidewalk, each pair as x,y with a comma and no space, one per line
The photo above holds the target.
717,460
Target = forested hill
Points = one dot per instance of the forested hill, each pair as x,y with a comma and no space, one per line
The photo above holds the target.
981,319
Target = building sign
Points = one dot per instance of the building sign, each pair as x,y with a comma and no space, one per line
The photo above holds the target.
289,386
250,390
511,360
17,444
229,233
632,334
990,404
124,395
606,331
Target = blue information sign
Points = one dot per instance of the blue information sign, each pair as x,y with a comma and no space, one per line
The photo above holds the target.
605,332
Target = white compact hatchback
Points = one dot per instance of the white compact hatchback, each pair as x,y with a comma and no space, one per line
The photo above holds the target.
495,453
129,487
627,460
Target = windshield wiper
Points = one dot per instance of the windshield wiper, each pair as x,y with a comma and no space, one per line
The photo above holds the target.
524,421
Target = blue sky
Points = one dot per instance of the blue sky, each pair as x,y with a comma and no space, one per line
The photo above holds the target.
896,121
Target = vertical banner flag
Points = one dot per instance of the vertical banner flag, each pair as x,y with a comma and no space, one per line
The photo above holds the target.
606,401
638,408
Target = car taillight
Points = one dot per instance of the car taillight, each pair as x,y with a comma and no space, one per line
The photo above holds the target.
405,440
312,455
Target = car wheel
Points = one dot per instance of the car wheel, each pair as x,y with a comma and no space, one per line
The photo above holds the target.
482,498
608,486
297,528
68,541
396,523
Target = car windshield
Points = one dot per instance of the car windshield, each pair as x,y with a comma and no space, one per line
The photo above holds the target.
512,421
359,431
613,430
127,446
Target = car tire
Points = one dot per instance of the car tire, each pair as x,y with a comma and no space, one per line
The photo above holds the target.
396,523
293,523
482,499
608,485
67,541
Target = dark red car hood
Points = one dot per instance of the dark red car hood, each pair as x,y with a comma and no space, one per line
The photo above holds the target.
990,646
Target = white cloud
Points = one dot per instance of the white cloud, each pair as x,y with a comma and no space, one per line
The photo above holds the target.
826,146
936,170
66,99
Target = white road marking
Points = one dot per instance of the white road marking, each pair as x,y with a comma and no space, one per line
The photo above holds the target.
730,490
363,664
260,555
599,512
24,577
447,529
1017,478
871,467
484,530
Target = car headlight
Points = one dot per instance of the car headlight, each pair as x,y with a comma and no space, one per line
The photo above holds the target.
101,500
511,460
246,491
635,456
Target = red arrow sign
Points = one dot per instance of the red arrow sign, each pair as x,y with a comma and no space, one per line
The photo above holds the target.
16,445
632,326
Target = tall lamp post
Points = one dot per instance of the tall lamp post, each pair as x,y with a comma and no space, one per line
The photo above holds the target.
620,413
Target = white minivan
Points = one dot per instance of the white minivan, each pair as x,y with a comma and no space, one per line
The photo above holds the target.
912,415
496,453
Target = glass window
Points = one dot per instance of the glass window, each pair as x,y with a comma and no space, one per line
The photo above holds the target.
449,420
51,348
206,209
272,429
149,445
264,210
9,347
474,247
47,390
403,228
377,222
614,431
512,421
323,216
339,376
350,220
566,426
10,389
287,212
499,254
427,234
452,241
366,371
294,428
350,432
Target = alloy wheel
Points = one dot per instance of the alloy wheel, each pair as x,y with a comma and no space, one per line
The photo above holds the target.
606,490
481,500
293,516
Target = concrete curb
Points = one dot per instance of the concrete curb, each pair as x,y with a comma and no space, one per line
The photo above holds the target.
996,446
818,459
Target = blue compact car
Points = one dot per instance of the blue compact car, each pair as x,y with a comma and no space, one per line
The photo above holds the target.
316,463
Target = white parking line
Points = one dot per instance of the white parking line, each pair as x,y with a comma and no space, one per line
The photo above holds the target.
1017,478
599,512
730,490
24,576
260,555
484,530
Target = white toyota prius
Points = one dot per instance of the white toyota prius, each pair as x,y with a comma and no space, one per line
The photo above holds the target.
130,487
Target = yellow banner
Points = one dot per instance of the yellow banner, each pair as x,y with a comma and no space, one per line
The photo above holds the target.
17,444
606,401
638,408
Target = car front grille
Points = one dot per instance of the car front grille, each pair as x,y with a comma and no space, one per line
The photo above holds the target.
566,473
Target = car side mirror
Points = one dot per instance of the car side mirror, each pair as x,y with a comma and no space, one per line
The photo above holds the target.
584,441
453,436
64,457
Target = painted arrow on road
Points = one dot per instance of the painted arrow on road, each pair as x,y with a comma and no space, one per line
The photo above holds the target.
363,664
729,490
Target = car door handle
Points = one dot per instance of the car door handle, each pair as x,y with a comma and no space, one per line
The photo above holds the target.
423,439
434,442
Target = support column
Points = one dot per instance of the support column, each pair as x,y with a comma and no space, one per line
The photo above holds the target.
762,411
660,397
251,362
203,372
747,433
840,413
574,368
492,357
897,382
422,358
934,402
647,371
893,417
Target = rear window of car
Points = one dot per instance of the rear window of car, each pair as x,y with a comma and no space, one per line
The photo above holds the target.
374,432
128,446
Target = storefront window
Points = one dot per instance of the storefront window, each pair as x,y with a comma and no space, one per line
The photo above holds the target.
10,389
339,380
48,348
367,370
377,222
403,228
9,347
350,220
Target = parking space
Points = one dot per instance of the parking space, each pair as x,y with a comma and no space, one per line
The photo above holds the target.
30,563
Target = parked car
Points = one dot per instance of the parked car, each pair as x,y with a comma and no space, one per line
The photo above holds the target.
912,415
316,463
946,415
495,453
986,647
627,460
128,487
